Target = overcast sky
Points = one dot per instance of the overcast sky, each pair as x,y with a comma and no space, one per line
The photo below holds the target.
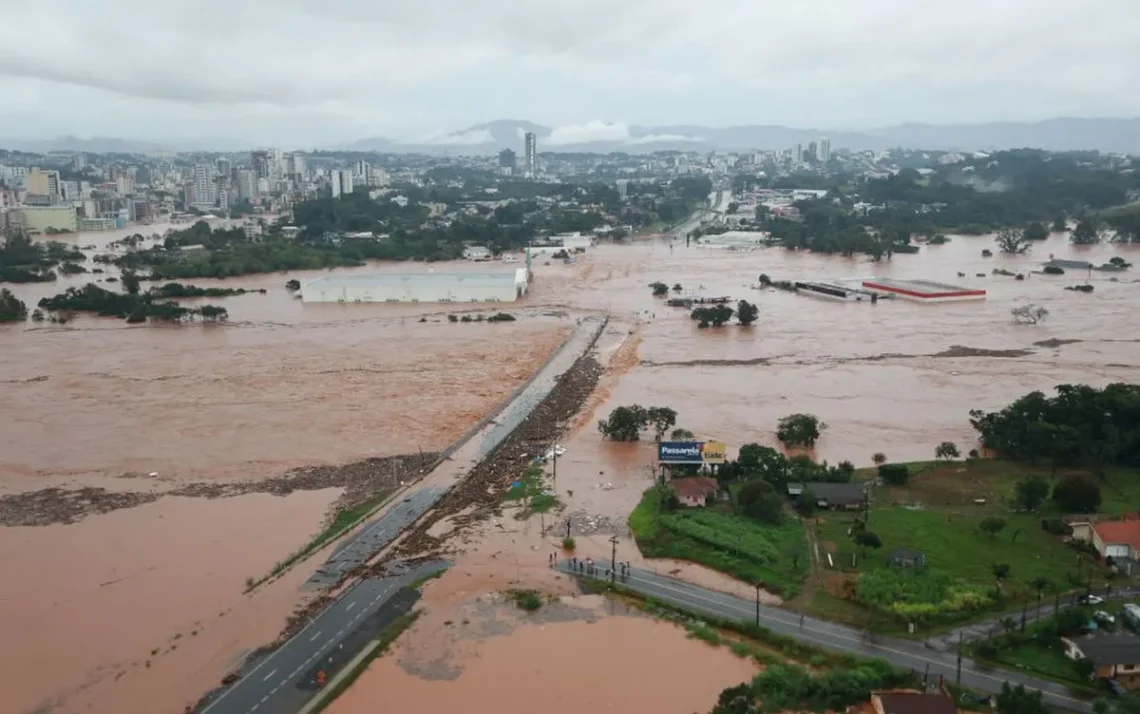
302,72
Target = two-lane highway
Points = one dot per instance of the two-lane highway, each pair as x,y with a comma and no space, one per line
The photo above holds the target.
829,635
279,682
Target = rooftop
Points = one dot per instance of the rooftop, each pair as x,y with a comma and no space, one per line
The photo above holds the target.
1109,649
913,703
1119,532
831,492
357,279
693,487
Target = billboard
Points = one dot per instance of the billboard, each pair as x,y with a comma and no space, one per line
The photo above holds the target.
715,452
691,452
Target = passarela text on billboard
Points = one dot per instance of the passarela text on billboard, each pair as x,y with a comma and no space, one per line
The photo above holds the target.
681,452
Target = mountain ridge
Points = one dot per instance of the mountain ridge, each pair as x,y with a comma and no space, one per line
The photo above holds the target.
1118,135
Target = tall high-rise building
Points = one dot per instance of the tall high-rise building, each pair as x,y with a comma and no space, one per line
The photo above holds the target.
266,163
224,167
507,159
203,183
43,183
346,181
798,154
530,159
340,182
246,184
823,150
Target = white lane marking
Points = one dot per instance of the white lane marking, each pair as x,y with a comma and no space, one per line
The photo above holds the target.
263,699
279,650
267,677
314,637
350,606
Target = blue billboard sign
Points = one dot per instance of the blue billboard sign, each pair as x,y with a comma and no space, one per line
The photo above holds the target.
681,452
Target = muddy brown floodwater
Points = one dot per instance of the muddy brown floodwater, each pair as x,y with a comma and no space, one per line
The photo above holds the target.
884,377
282,385
567,658
286,384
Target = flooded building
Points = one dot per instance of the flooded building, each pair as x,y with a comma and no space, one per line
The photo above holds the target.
922,290
504,286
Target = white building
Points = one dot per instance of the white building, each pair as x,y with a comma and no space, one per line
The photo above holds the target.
203,186
506,286
530,157
823,150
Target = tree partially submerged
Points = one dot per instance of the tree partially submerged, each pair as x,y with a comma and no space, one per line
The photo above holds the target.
800,430
1030,314
625,423
1012,241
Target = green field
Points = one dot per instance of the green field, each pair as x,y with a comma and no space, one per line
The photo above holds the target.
939,513
776,556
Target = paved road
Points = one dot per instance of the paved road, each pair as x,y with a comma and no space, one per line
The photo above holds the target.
903,653
375,536
280,682
980,630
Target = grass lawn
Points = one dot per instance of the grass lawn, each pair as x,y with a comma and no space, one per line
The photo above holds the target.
1051,663
938,513
954,545
776,556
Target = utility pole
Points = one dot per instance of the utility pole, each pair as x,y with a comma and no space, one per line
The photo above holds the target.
958,677
567,526
554,461
613,559
758,587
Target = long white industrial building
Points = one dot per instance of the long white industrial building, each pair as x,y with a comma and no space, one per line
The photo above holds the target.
505,286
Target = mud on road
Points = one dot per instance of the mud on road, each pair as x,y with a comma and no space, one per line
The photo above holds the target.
481,491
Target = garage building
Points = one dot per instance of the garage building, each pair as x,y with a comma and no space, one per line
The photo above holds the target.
504,286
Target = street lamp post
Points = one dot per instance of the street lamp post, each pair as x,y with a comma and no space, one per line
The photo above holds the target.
758,587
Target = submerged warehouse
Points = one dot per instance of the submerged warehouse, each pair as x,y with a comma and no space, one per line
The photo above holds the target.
500,286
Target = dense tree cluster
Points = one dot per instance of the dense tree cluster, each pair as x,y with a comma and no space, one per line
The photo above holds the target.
23,260
1081,425
626,423
130,306
12,309
790,687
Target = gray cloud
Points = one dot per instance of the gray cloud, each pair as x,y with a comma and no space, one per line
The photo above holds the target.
308,72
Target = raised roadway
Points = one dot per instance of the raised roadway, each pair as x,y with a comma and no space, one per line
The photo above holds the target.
281,682
902,653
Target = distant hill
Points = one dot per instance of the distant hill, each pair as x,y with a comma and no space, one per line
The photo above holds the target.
1065,134
1068,134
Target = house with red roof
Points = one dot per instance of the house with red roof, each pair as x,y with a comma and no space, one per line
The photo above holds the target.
1119,540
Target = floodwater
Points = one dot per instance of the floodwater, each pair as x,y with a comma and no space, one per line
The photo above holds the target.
867,370
149,596
618,663
286,384
281,385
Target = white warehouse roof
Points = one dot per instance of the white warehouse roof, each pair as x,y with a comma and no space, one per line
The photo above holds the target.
367,279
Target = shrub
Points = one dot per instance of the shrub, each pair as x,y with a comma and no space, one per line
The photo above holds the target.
1055,526
659,288
1053,270
453,318
526,599
894,474
568,543
501,317
1077,493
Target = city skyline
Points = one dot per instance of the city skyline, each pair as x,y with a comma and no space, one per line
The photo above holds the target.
122,71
